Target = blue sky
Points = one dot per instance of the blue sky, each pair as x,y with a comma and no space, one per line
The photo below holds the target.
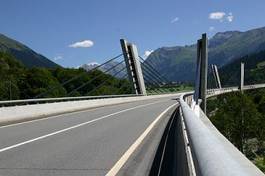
74,32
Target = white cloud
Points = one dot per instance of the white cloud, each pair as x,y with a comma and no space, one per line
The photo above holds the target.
217,16
221,16
230,17
59,57
211,28
175,20
82,44
147,53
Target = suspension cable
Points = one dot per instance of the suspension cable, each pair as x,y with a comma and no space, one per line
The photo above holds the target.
124,84
148,75
78,76
106,81
153,84
149,72
154,70
98,76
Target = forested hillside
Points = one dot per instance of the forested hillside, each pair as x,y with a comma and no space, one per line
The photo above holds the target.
241,119
20,82
177,63
254,70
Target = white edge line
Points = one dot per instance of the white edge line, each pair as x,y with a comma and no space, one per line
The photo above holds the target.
73,127
116,168
51,117
56,116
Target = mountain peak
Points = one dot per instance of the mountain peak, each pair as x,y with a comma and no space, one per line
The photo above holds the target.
178,63
90,66
225,35
24,54
116,67
221,37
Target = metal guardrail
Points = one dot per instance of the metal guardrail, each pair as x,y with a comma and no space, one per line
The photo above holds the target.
53,100
210,93
63,99
215,92
213,154
255,86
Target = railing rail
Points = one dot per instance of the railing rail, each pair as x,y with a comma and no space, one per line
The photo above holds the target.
210,93
213,154
215,92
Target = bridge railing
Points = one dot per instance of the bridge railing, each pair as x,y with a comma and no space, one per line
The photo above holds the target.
256,86
212,153
215,92
62,99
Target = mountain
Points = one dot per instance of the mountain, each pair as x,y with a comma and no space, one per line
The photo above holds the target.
24,54
254,70
20,82
90,66
106,67
178,63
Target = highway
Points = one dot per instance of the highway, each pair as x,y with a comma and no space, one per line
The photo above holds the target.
94,142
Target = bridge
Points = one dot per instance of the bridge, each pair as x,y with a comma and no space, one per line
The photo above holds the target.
149,132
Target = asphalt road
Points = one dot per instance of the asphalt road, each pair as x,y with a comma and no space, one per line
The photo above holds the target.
81,143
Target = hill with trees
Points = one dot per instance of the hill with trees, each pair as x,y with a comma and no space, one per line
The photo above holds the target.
24,54
241,119
178,63
254,71
21,82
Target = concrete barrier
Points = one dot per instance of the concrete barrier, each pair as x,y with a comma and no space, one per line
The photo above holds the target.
16,114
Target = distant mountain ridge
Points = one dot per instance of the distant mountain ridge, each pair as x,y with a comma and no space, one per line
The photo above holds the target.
106,67
24,54
254,70
178,63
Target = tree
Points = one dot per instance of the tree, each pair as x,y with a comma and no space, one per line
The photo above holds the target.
238,119
39,81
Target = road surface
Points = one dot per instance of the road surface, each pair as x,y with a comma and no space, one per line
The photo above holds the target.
85,143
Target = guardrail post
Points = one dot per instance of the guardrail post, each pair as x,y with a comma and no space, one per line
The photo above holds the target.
133,66
242,76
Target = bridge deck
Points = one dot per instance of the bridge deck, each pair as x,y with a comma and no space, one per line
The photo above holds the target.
51,147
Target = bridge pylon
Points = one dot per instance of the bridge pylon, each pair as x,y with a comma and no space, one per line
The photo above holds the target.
216,76
242,72
201,72
133,66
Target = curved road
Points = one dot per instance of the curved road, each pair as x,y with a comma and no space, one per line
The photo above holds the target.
82,143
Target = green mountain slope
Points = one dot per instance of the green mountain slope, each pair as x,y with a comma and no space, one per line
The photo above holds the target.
254,70
24,54
20,82
178,63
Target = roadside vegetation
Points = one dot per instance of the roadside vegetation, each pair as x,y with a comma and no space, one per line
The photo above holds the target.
241,119
170,89
20,82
